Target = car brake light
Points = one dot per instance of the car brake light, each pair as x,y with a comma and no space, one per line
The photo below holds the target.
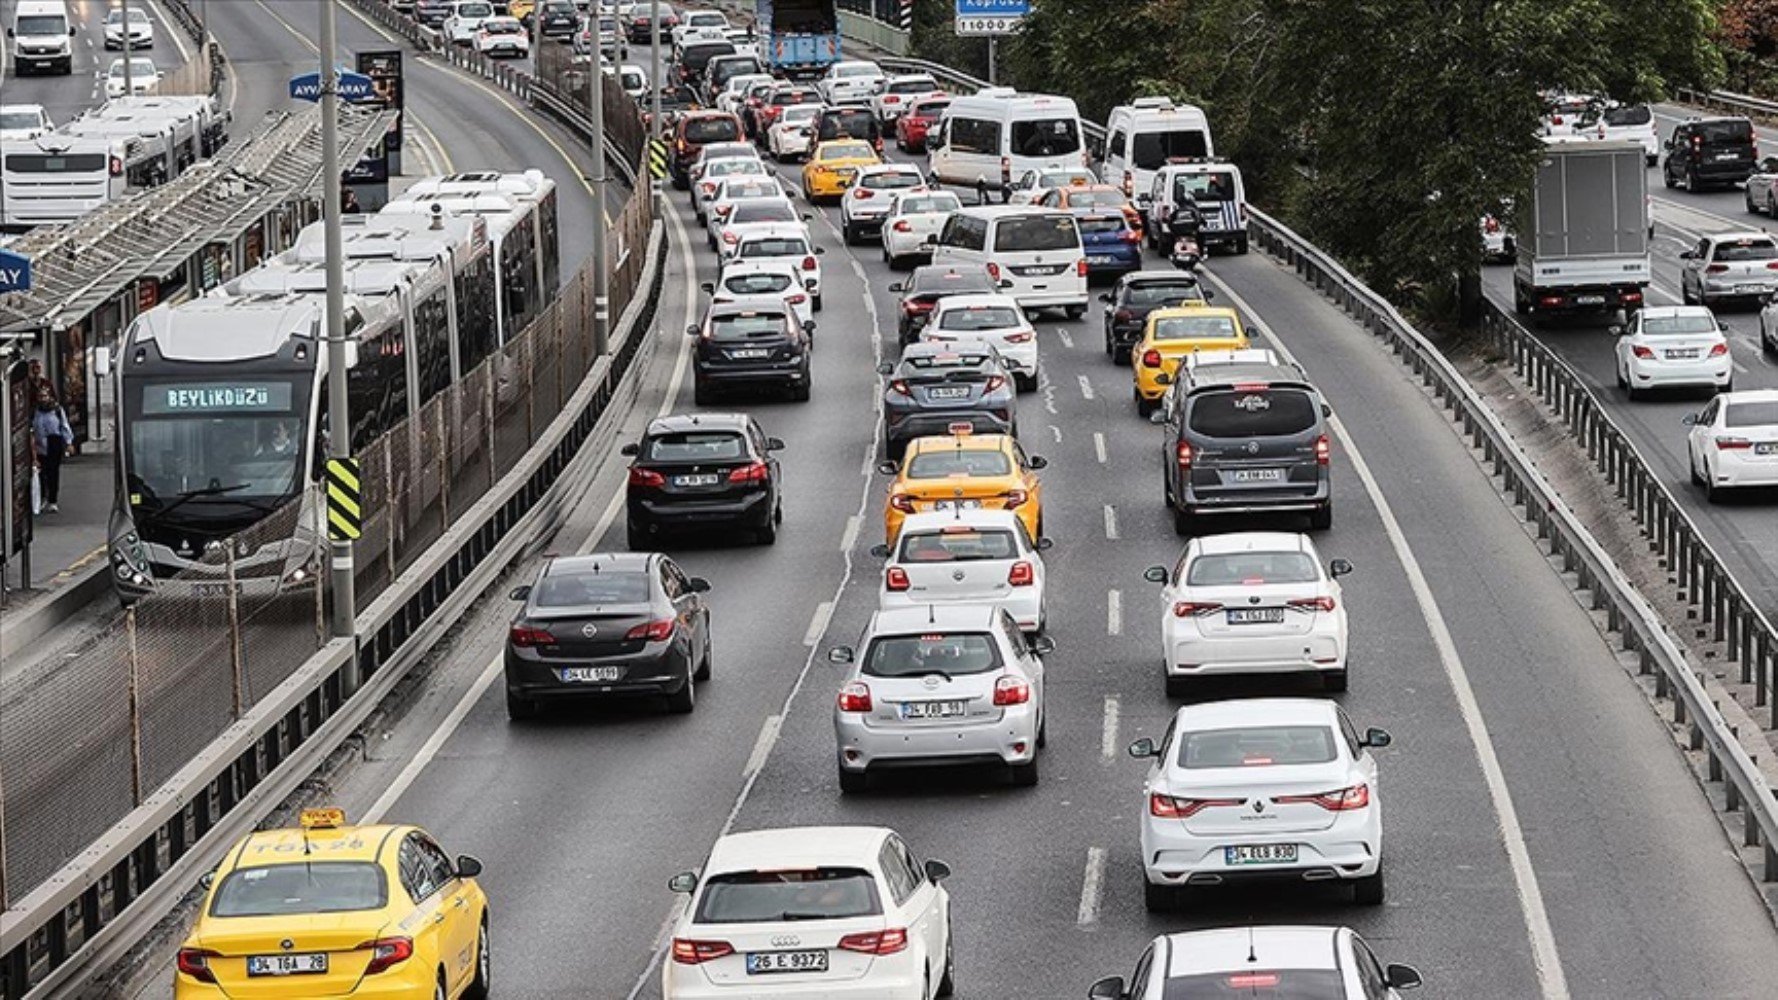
1640,351
915,307
891,99
902,226
1023,574
808,263
1716,269
902,502
1129,236
386,953
1123,315
526,637
1171,807
1183,455
886,942
1631,298
722,211
1341,800
758,472
994,270
1312,603
646,477
1016,498
1252,980
895,578
797,299
689,952
654,631
862,193
708,187
994,382
1555,119
855,697
1323,450
1733,444
1490,225
1151,358
1186,609
195,962
900,387
1021,337
1010,690
1080,267
1718,350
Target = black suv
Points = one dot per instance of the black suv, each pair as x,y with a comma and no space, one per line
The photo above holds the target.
750,345
554,19
1704,152
922,290
1243,437
703,470
937,389
1136,295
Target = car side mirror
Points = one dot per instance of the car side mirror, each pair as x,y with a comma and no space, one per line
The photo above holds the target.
1005,282
774,444
1326,410
888,467
708,287
1402,977
1143,749
840,654
808,218
1208,294
895,286
683,882
468,867
11,34
632,449
880,551
937,870
1157,417
1109,988
1105,297
1042,645
1155,574
1690,420
207,879
520,593
820,251
1045,544
1688,255
885,369
692,330
1162,378
698,585
1339,568
1037,462
1615,329
1378,738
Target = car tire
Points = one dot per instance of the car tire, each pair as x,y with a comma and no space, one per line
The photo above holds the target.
849,234
703,672
853,782
684,700
1184,523
439,992
481,987
1024,775
1691,462
1144,407
1667,178
1024,383
1074,312
519,709
947,983
1241,245
1622,382
1334,681
701,394
1321,518
1766,343
1159,898
1752,209
704,220
1043,722
816,302
768,533
1177,686
1368,891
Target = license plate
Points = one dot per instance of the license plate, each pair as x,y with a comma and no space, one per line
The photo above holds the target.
1098,260
762,962
705,479
286,965
1728,156
1258,475
1259,854
845,172
750,352
949,392
1255,616
1767,448
956,504
932,709
214,589
1751,289
1589,300
591,675
1681,355
1039,270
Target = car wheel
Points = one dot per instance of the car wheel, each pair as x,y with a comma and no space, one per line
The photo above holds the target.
684,700
947,983
1712,492
1685,294
1144,407
1368,891
767,534
1666,178
849,233
853,782
704,220
703,673
1241,245
1334,681
1692,464
519,709
1766,341
1321,518
1183,522
1024,383
1075,312
1177,686
1159,898
701,394
1043,722
1752,209
438,989
1024,775
480,986
816,301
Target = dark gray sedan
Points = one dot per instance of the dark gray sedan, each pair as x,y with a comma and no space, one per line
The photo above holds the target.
938,386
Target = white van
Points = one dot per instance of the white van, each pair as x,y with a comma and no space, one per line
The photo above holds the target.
1216,187
1147,134
999,134
42,37
1035,253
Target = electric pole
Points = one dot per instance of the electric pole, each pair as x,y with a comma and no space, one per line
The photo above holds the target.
339,426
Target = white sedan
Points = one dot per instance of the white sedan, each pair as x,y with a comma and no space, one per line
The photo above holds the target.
734,92
786,243
991,317
140,30
1734,442
865,204
914,219
838,912
1261,788
1252,602
966,556
704,191
792,136
897,92
1673,346
782,281
502,37
143,77
849,82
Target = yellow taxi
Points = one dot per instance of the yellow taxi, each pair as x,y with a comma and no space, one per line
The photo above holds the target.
520,9
328,909
964,470
1169,336
834,164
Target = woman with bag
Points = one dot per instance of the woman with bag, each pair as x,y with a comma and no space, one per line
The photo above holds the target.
50,436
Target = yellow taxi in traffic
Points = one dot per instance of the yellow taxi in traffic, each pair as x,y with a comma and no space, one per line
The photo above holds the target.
964,470
834,164
328,909
1169,336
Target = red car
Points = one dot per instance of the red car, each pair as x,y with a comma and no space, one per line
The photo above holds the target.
920,117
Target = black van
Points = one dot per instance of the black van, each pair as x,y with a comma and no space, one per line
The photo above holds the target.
1245,437
1704,152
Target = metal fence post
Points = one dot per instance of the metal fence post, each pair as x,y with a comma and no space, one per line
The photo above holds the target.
488,413
234,630
444,466
135,691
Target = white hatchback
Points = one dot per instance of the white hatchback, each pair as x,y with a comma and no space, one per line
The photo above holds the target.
792,136
865,204
779,280
1327,963
966,556
1673,346
502,37
913,222
1261,789
1252,602
897,92
1734,442
841,912
786,243
849,82
704,187
994,318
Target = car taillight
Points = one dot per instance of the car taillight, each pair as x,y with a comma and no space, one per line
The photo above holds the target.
855,697
1016,498
916,308
891,99
808,263
1011,691
654,631
709,188
886,942
1340,800
797,299
994,382
1323,450
387,953
1151,358
896,578
646,477
689,952
1021,337
1022,574
1718,350
1490,225
1186,609
195,962
1129,236
994,270
902,502
1733,444
758,472
900,387
902,226
1312,603
1716,269
862,193
1183,455
1171,807
526,637
1640,351
1080,267
1005,170
1123,316
722,211
1631,298
730,238
1555,119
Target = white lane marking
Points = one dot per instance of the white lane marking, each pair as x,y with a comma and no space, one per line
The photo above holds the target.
849,537
1545,958
161,17
1057,431
1111,522
1049,391
1086,387
1099,446
768,734
1091,888
818,624
1108,729
1114,612
1065,338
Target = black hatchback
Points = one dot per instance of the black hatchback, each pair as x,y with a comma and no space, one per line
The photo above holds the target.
612,624
701,471
555,19
746,345
1135,296
940,389
1245,437
1704,152
926,285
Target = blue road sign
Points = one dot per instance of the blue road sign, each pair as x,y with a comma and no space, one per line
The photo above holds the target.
15,272
993,8
352,86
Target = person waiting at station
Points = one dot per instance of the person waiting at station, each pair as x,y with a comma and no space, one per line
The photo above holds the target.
50,436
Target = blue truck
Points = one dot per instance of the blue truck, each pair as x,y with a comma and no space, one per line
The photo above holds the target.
798,38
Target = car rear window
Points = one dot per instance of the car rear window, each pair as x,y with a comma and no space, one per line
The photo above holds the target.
911,87
1153,150
1207,186
845,151
696,57
758,283
763,210
787,97
734,165
952,282
1728,132
852,126
930,109
1750,249
1638,114
1037,232
1096,199
1760,414
947,364
1280,984
891,180
1241,413
1251,569
317,887
959,544
746,326
1257,746
579,590
738,190
946,462
929,203
918,655
979,318
775,246
1103,225
1156,294
1677,326
1195,328
780,896
1045,137
697,446
721,129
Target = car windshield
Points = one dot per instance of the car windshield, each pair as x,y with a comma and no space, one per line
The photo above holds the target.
713,129
1251,569
140,69
1637,114
1272,984
1156,294
913,205
1258,746
1677,326
916,86
1751,249
944,463
936,279
930,109
1243,412
1045,137
846,151
20,119
780,896
762,210
116,17
1209,185
747,325
1153,150
854,124
933,653
584,589
757,283
706,19
1729,132
790,97
1037,232
1754,414
979,318
940,367
317,887
53,24
697,446
890,180
1096,199
1195,328
502,27
775,246
958,544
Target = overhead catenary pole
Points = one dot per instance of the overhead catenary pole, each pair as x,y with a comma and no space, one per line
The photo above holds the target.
601,280
129,86
339,426
654,78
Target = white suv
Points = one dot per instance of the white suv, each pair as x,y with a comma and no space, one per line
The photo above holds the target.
866,203
849,82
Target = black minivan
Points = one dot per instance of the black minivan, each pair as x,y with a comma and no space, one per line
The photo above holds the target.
742,345
1245,436
1706,152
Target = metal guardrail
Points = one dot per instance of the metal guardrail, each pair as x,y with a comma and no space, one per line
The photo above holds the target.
197,31
1637,623
1723,100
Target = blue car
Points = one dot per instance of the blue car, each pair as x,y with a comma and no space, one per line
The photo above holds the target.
1112,246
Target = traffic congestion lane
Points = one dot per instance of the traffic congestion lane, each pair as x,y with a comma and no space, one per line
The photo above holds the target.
65,97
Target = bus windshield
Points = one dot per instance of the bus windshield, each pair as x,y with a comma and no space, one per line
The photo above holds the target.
219,439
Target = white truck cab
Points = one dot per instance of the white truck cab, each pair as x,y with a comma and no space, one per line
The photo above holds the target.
42,36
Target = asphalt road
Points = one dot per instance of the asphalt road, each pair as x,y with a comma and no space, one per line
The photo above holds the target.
65,97
1743,529
1544,837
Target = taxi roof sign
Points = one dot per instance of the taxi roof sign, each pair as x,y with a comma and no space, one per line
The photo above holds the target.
322,819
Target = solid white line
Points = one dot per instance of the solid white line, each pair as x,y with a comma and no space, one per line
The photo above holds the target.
1057,431
1099,446
1108,731
173,32
1114,612
1067,340
1111,522
1086,387
1091,887
762,747
849,537
818,624
1544,956
436,741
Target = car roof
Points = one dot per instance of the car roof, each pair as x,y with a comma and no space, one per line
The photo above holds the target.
1226,949
597,561
1749,396
967,300
1252,541
1244,712
1671,312
797,847
679,423
960,442
924,618
975,517
294,845
1234,373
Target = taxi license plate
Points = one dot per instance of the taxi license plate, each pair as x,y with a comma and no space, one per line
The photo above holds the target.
949,392
287,965
933,709
956,504
590,675
1681,355
705,479
1260,854
763,962
1255,616
1258,475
